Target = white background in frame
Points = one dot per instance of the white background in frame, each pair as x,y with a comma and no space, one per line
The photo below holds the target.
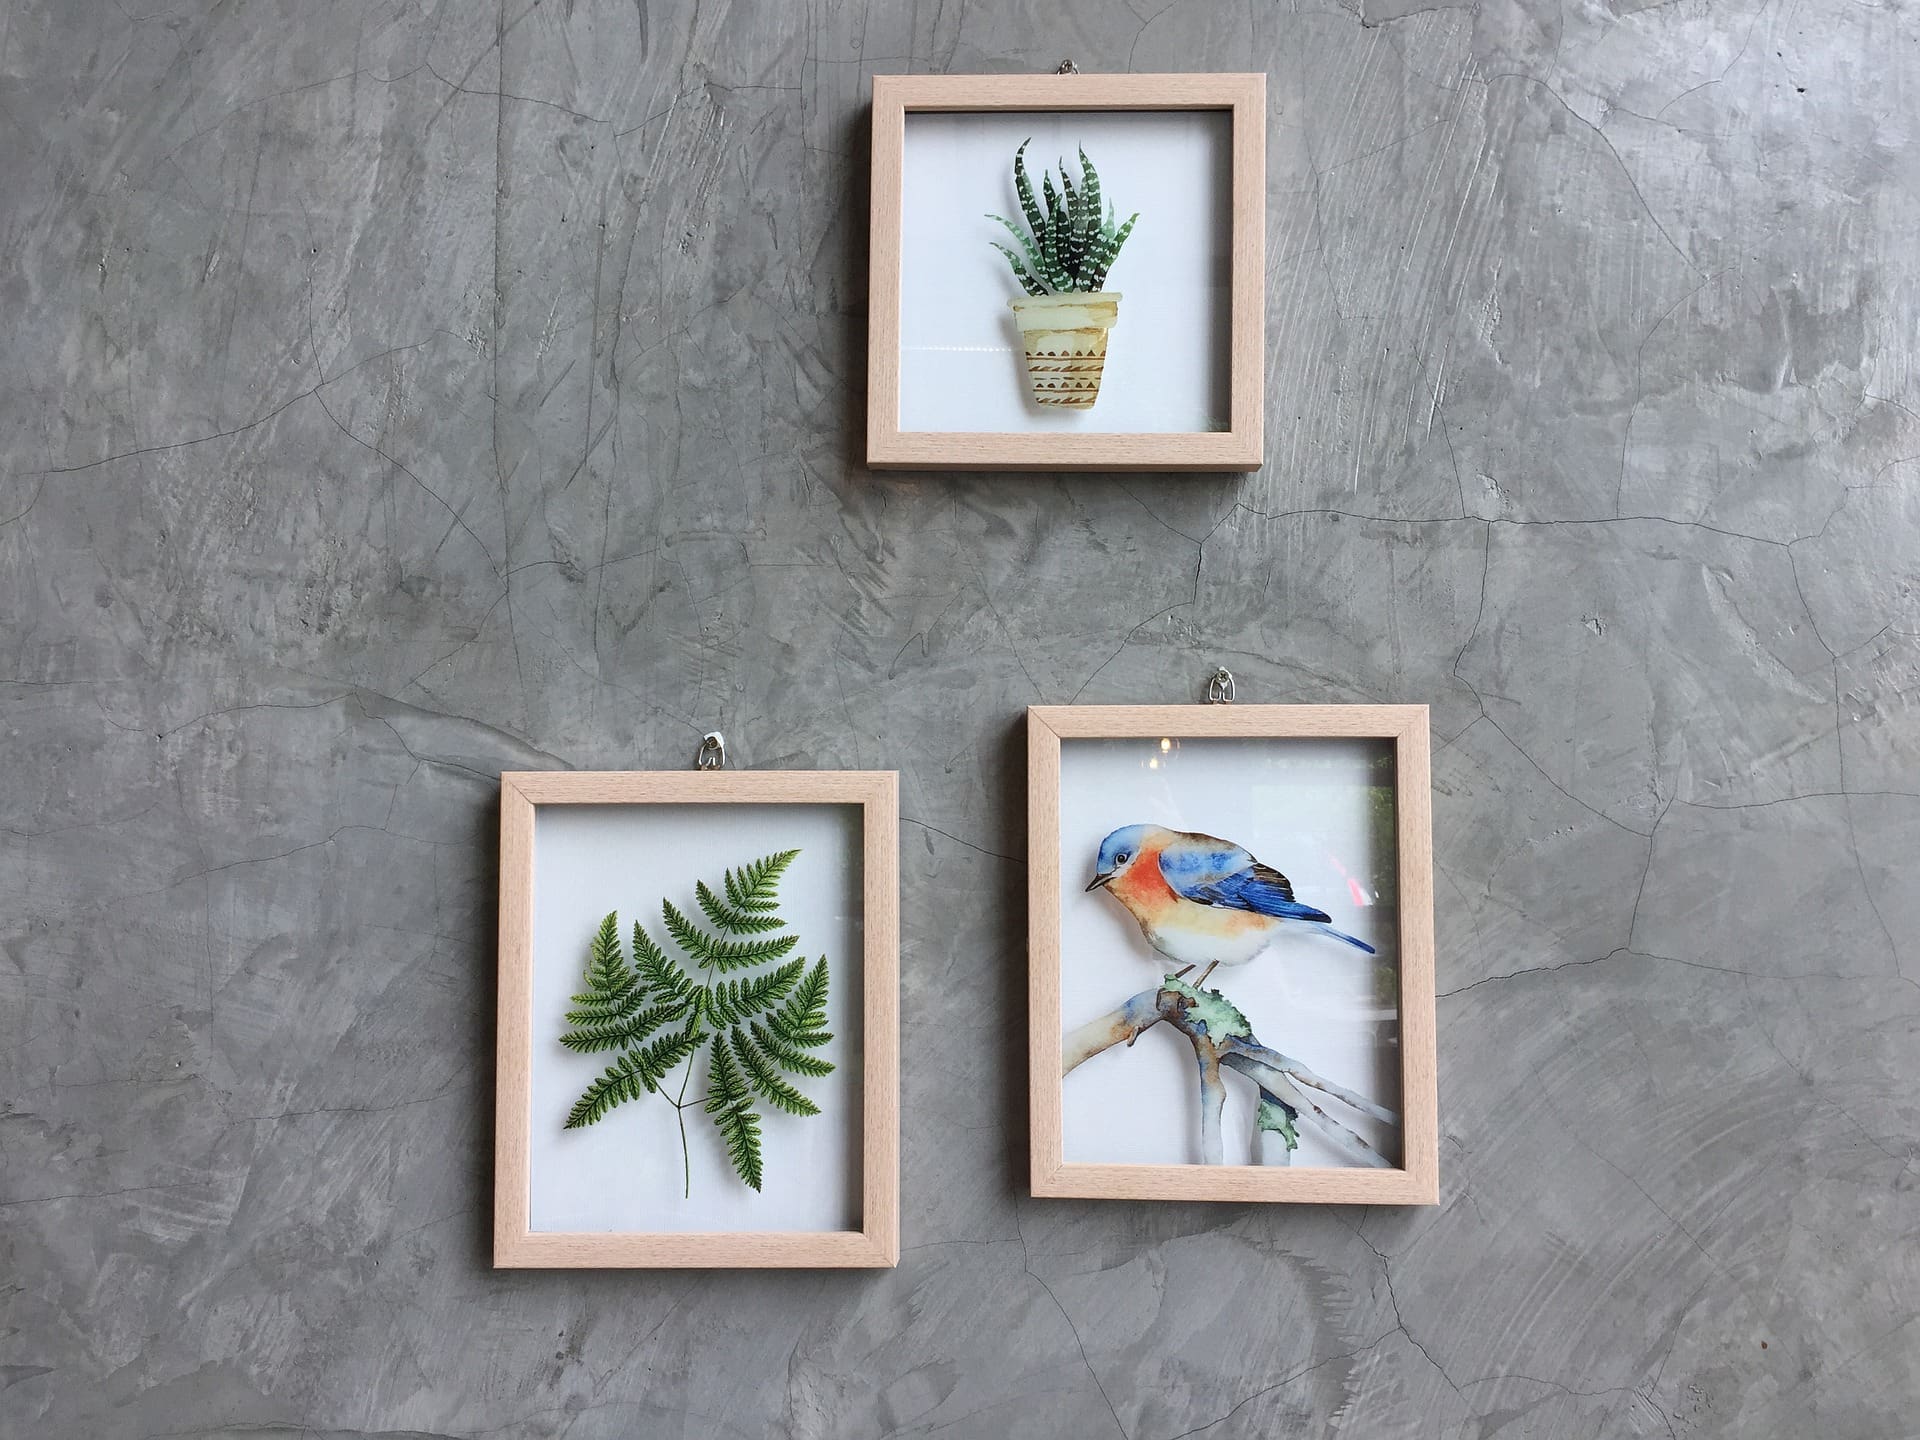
624,1173
961,363
1303,806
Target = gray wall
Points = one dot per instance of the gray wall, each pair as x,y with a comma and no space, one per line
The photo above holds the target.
392,393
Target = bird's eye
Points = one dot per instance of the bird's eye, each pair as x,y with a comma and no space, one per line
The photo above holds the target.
1121,858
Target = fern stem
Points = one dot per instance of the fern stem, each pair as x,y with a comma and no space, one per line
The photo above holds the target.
686,1079
680,1113
686,1156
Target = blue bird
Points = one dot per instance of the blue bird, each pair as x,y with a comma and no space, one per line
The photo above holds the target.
1202,900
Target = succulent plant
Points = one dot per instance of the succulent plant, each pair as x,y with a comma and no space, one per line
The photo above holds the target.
1069,247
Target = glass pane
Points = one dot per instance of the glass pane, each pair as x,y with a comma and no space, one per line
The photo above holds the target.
1274,862
627,1171
1155,361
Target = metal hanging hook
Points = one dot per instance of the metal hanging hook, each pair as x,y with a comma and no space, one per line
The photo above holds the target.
1220,687
713,752
1066,67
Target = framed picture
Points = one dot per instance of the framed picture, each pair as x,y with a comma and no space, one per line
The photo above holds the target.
698,1020
1232,953
1067,272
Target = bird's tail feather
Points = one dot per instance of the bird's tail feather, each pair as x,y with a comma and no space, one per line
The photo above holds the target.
1357,944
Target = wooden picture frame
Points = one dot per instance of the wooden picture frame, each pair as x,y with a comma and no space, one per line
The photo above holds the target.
1415,1181
1240,446
877,1240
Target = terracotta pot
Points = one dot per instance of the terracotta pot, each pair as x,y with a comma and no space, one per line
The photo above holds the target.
1066,343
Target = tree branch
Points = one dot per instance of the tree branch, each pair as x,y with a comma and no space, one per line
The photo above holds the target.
1273,1134
1255,1055
1213,1100
1284,1091
1138,1015
1222,1038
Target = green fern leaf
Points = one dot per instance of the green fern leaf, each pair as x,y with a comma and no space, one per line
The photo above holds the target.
741,1130
647,956
762,1075
666,982
634,1074
759,1025
589,1008
726,1086
713,953
806,1011
609,1034
612,989
752,886
788,1055
729,1002
606,966
731,1105
800,1026
730,920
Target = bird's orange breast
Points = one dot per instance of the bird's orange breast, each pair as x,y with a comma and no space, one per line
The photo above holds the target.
1143,889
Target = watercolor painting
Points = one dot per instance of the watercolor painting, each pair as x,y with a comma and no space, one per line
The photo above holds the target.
1203,902
1064,254
752,1031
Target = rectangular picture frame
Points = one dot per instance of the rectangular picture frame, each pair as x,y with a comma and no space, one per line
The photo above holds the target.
1416,1180
1238,447
876,1243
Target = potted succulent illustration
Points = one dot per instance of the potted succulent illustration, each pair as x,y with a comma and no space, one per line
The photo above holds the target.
1061,262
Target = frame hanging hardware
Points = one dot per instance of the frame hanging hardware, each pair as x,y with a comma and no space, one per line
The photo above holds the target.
1066,67
712,754
1220,687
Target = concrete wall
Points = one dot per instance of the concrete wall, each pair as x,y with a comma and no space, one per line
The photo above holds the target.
391,393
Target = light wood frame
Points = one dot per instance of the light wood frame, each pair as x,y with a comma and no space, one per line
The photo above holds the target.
1417,1181
877,1241
1239,447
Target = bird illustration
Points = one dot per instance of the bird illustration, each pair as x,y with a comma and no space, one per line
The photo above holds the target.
1202,900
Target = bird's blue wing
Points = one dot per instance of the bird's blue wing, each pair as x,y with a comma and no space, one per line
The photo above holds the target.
1260,889
1214,872
1191,862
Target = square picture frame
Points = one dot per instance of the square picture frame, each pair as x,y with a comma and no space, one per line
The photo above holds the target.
1048,437
1398,737
871,843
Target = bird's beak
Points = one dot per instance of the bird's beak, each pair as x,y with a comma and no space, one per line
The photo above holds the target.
1099,880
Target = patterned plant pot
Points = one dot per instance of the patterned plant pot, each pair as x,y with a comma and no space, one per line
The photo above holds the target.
1066,343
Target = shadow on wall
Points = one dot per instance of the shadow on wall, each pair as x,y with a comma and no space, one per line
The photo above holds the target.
482,1035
